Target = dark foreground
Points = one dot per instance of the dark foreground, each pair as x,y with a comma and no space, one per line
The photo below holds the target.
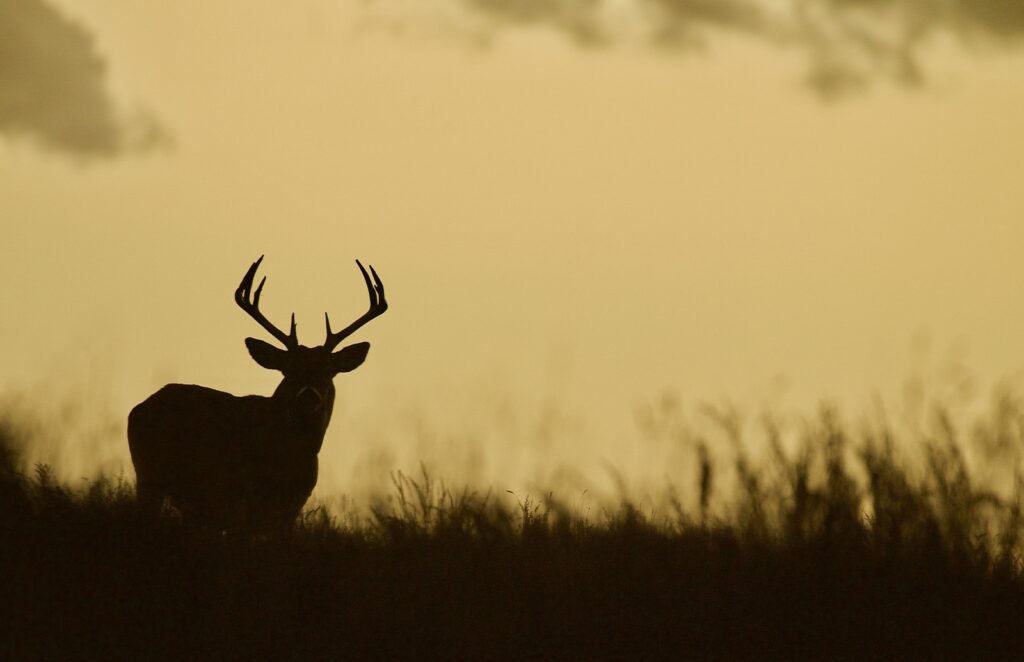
800,568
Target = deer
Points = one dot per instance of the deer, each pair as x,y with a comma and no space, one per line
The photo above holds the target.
246,462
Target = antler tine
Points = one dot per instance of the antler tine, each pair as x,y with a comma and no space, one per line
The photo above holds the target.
378,304
249,301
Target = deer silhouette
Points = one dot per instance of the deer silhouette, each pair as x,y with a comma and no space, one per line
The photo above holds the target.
246,462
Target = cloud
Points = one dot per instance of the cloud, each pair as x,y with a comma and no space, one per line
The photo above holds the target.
53,87
846,43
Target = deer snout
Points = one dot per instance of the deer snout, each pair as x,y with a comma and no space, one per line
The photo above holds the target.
309,398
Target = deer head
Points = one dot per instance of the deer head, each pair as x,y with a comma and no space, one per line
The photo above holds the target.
307,390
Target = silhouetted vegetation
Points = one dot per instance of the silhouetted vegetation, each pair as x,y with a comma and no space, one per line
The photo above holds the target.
834,548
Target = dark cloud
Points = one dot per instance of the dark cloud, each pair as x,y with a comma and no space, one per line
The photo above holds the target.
687,22
847,43
577,18
852,42
53,86
593,22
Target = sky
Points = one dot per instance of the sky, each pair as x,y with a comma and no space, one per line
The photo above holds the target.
579,208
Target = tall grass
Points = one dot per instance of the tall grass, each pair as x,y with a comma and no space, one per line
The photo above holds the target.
832,546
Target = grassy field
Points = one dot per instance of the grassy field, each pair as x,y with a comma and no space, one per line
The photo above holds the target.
835,550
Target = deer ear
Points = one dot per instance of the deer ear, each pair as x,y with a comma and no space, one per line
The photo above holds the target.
349,358
266,355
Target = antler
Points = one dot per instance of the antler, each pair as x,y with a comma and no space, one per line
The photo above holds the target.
378,304
252,306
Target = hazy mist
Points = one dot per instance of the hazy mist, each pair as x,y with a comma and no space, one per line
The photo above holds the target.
566,233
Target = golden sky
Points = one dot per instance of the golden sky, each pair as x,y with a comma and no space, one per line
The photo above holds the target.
572,212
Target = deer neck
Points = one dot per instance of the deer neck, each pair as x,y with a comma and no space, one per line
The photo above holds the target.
303,425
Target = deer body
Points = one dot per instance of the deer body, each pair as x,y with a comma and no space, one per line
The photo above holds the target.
245,461
224,459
